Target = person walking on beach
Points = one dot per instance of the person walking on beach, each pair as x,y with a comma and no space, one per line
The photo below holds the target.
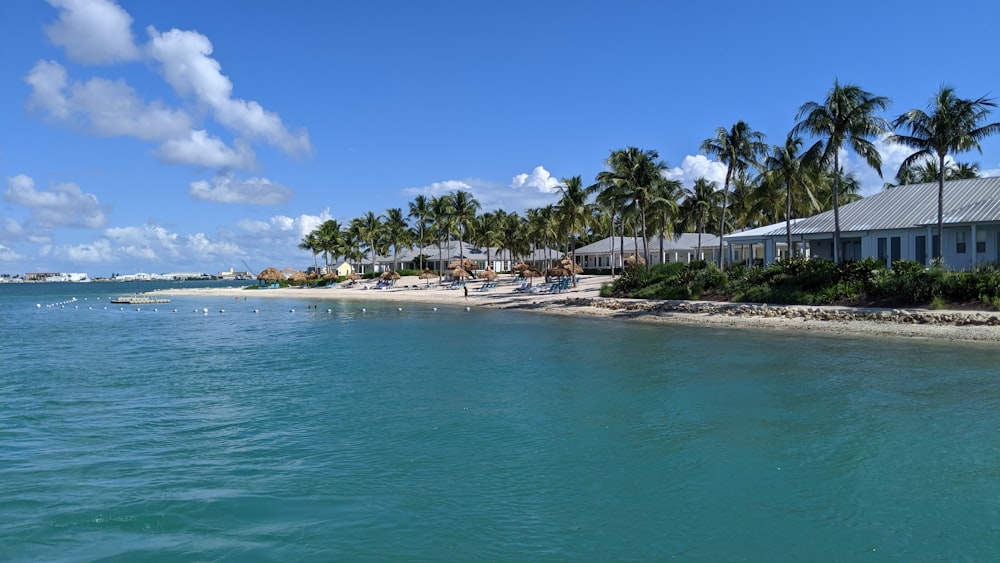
466,288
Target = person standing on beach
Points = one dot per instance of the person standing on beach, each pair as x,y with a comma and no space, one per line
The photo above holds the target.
466,288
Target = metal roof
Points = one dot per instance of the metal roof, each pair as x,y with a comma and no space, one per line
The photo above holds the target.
681,241
965,201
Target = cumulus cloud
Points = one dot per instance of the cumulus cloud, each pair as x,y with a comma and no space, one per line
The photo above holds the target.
8,255
99,32
186,65
526,190
93,31
102,107
697,166
229,189
200,149
64,205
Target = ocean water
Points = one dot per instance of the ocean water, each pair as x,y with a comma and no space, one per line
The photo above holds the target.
336,433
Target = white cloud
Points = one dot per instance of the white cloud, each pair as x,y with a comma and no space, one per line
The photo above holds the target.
188,68
526,190
8,255
102,107
200,149
538,179
698,166
229,189
65,205
93,31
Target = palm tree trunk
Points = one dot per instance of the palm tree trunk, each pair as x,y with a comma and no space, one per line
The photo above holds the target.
836,209
940,221
788,217
722,215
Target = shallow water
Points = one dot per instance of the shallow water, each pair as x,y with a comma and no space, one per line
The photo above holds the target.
484,435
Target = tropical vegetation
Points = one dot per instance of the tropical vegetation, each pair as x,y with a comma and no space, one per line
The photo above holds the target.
635,197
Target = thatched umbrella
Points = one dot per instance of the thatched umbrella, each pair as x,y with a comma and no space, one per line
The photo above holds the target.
330,276
520,267
569,264
460,273
389,275
488,275
270,274
530,272
298,277
559,272
631,261
465,264
353,276
427,275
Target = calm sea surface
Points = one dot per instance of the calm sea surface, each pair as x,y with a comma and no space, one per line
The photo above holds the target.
422,435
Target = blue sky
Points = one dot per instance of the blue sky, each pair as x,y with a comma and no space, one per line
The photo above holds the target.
196,136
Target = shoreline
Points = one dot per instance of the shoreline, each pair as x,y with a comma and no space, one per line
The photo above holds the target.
585,300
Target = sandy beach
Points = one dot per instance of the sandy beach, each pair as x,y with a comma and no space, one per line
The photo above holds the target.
585,300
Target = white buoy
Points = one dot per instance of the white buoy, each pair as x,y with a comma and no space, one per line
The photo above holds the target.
39,305
121,308
363,310
329,310
468,308
175,310
399,308
291,310
434,308
222,310
204,310
155,309
256,311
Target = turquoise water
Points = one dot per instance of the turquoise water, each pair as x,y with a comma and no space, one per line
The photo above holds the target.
487,435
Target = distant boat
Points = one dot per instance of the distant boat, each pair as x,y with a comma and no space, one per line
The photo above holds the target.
139,300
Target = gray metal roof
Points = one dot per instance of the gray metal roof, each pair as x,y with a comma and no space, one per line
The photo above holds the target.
965,201
681,241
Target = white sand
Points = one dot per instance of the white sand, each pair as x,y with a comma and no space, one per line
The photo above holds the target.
413,290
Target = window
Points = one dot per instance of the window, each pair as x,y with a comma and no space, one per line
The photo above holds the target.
960,242
882,253
894,249
981,241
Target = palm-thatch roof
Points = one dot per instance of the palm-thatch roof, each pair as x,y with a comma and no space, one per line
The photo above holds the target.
427,274
389,275
270,274
298,277
459,273
631,260
488,274
465,264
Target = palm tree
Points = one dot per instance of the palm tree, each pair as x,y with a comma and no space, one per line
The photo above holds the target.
574,211
793,169
310,242
953,125
701,202
847,116
487,231
397,233
635,172
665,208
514,236
611,199
329,239
371,230
464,207
738,148
442,217
421,211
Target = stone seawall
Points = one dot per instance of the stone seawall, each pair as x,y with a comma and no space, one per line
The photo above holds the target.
811,313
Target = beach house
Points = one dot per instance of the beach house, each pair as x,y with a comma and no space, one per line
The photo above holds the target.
682,247
897,223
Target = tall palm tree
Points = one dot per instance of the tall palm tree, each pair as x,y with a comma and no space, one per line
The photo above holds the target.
329,239
443,220
397,233
574,211
514,236
953,125
847,116
487,232
611,199
310,242
664,208
464,208
420,210
371,230
793,169
701,202
738,147
635,172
